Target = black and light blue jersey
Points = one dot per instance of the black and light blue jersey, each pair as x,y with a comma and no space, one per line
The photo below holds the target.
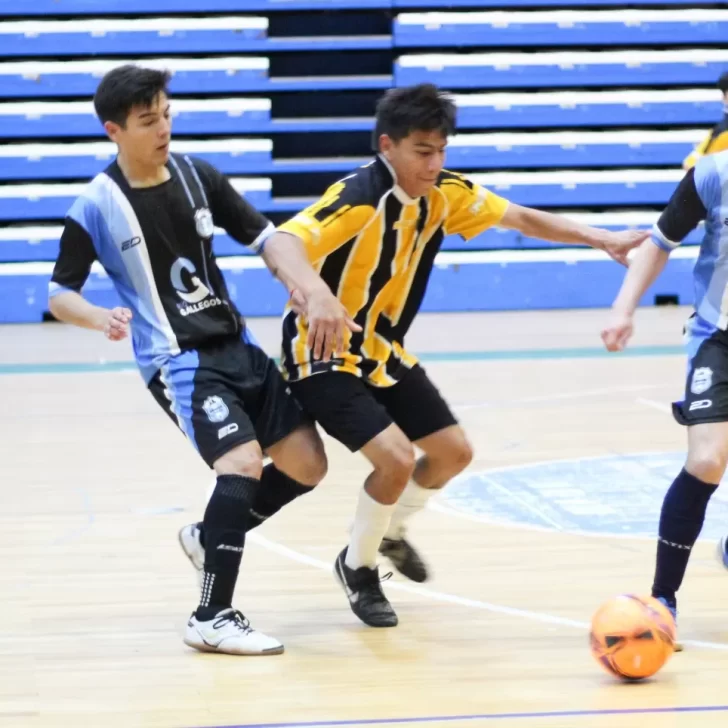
155,244
702,195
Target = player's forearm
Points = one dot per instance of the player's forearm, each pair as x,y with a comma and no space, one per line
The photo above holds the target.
547,226
72,308
286,259
644,269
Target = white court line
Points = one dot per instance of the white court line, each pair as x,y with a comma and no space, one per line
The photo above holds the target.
451,598
655,405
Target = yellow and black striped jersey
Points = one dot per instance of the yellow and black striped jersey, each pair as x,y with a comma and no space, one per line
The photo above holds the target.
715,141
375,248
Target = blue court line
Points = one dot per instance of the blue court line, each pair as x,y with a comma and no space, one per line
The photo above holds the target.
434,356
488,716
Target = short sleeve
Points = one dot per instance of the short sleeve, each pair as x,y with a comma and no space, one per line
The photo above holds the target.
688,205
75,257
472,208
337,217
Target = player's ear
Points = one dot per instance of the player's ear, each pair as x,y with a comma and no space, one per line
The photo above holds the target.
385,144
112,129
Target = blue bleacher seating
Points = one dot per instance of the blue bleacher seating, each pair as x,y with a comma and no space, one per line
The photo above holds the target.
466,152
562,68
613,108
145,36
234,115
167,7
617,92
49,119
562,28
190,76
469,4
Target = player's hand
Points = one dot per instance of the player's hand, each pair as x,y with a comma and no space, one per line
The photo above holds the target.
618,331
328,321
618,245
297,302
116,327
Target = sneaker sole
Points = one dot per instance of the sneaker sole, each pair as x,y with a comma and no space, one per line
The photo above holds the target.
340,578
204,647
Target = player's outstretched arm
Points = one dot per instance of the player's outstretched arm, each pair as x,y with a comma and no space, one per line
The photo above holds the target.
698,190
646,266
556,228
72,308
328,320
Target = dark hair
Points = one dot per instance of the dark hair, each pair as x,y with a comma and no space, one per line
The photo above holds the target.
414,108
127,86
723,83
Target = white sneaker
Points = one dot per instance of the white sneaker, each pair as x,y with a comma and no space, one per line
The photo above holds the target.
230,633
189,540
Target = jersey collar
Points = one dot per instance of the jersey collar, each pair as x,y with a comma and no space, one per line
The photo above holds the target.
398,192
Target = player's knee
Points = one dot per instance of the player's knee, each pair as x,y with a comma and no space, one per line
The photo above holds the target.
312,465
245,460
302,456
456,451
707,464
462,454
397,463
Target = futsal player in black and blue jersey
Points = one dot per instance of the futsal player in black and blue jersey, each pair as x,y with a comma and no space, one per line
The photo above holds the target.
148,219
702,195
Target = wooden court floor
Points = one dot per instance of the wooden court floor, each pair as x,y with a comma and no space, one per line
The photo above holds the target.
573,451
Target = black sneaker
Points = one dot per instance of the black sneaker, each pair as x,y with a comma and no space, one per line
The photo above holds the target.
366,597
404,558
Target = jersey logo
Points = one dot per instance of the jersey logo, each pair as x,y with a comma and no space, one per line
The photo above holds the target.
199,290
129,244
215,409
702,380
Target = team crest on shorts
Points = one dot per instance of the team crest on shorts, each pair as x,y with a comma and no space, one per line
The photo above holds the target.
702,380
215,409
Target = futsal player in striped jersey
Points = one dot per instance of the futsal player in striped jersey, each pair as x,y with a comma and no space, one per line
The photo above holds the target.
373,237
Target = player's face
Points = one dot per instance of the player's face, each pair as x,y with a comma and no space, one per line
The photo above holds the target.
417,160
147,133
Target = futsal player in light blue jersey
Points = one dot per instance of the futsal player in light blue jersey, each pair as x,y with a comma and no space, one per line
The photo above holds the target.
702,195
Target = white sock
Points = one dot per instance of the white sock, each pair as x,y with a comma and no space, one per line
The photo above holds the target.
370,525
413,500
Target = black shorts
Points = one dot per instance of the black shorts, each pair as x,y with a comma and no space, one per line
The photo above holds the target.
354,412
226,394
706,388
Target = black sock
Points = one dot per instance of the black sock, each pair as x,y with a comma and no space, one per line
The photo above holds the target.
276,490
681,519
225,523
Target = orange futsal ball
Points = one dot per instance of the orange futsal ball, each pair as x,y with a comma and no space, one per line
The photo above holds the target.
632,637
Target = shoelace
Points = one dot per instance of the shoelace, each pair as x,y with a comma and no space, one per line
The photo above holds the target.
371,590
238,618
